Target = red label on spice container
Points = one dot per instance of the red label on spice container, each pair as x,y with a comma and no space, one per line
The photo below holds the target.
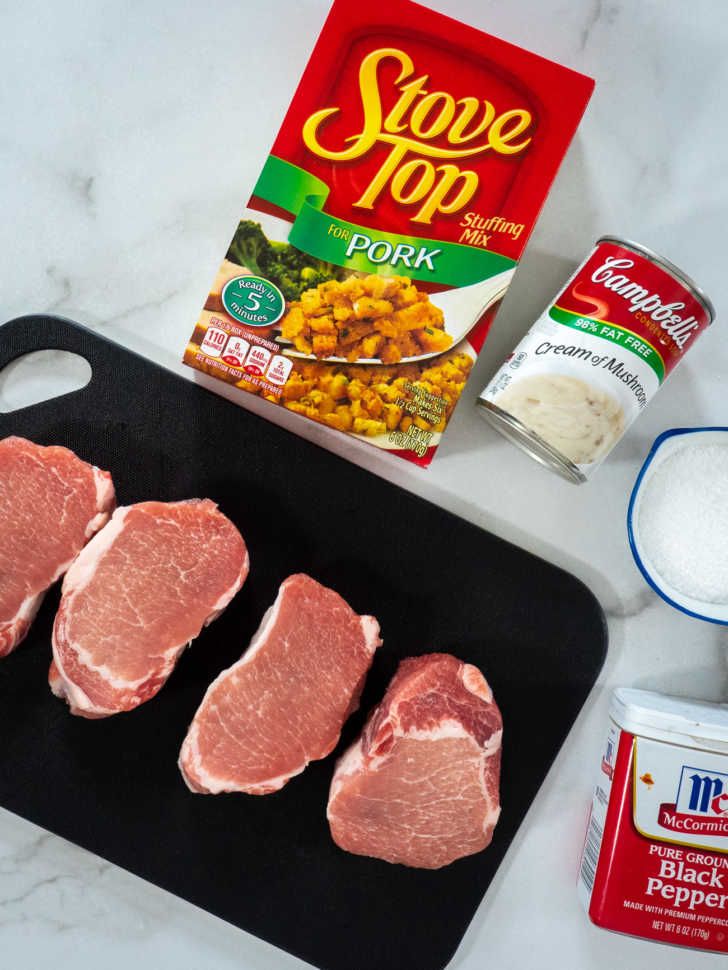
655,861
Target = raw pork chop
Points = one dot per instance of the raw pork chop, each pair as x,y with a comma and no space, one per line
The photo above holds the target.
51,503
137,595
420,786
285,701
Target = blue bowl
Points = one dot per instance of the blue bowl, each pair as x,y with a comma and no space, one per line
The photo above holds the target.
666,445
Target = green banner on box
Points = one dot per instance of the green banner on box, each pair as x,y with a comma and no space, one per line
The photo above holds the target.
617,335
335,240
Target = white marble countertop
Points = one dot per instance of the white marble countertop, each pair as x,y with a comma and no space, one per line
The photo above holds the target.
131,135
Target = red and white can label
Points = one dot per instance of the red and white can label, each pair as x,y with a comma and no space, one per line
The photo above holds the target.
598,354
655,861
629,300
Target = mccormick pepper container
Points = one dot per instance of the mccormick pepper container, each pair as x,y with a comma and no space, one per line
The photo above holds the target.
655,859
594,358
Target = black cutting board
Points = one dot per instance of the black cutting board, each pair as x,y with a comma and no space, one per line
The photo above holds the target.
435,582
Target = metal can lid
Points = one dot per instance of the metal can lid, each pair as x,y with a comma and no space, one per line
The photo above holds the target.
533,445
667,265
691,724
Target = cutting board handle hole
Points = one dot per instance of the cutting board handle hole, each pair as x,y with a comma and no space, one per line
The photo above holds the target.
41,376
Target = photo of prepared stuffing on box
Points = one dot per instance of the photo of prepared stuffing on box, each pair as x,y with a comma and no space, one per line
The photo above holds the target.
372,401
365,318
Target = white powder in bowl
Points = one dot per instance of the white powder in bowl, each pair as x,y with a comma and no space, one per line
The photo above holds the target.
683,521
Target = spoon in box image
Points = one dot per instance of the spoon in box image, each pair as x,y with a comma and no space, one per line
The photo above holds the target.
381,335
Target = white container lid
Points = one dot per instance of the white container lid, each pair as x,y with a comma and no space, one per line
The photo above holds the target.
691,724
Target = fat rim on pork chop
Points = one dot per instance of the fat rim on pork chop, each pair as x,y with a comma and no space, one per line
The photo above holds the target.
139,593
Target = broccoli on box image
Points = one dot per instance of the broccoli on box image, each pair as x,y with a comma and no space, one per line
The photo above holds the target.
291,270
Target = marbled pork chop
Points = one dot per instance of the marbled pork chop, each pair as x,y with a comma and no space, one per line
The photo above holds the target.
420,786
51,503
139,593
283,704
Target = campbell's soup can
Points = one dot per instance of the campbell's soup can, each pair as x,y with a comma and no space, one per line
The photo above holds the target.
596,356
655,859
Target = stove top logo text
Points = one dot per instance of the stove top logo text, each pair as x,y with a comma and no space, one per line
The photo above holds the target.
418,169
701,805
